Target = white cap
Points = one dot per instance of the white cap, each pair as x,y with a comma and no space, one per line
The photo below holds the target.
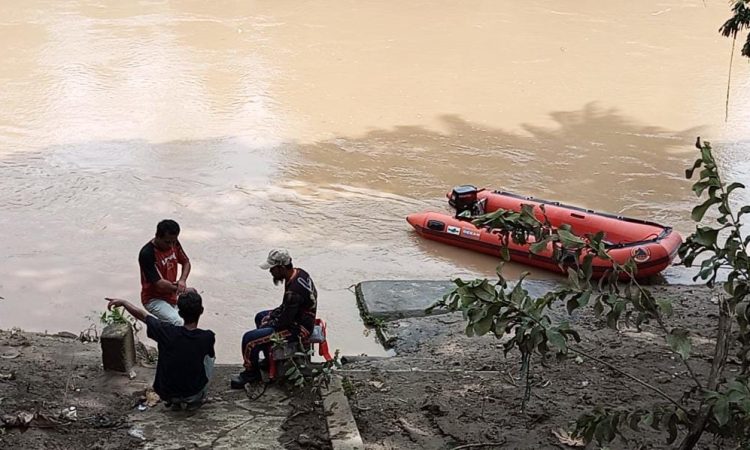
276,257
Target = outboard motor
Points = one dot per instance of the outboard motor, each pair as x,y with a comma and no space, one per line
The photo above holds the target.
464,198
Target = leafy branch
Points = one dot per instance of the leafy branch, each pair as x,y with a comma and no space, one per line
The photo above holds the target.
723,408
301,372
118,315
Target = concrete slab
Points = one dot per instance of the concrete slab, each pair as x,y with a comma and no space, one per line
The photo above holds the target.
342,428
228,421
397,299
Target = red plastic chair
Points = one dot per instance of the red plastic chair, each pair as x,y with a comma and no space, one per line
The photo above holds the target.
293,347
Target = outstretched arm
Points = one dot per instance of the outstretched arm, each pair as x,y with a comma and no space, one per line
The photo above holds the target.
134,311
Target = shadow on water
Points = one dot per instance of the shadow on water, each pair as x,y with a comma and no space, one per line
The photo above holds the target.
594,157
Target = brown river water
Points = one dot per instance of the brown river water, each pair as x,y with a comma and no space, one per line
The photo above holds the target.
318,126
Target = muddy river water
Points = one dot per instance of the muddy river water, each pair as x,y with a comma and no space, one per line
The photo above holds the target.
319,125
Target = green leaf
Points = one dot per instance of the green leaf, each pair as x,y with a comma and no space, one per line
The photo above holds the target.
679,342
483,294
729,287
467,297
571,305
536,337
518,293
721,411
583,300
735,396
484,326
557,340
570,240
734,186
588,266
705,236
598,307
612,317
689,172
539,247
604,433
665,306
699,187
573,279
700,210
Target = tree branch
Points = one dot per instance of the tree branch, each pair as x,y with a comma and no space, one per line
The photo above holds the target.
637,380
717,367
663,327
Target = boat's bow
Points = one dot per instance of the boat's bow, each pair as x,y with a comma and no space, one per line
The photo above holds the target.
417,220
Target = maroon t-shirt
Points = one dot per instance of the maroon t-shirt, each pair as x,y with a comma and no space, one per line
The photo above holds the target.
159,265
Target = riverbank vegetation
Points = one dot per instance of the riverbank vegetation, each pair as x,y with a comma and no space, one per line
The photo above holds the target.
715,402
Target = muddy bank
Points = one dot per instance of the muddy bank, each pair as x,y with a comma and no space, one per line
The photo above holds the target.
440,391
43,376
444,389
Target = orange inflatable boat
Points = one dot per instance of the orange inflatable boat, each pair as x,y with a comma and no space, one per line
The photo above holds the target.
651,246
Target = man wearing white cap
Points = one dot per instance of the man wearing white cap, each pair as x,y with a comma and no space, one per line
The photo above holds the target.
294,318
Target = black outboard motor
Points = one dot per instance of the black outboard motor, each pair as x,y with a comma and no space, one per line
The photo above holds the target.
464,198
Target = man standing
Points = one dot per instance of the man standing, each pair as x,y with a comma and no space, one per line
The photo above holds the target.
294,318
158,260
186,353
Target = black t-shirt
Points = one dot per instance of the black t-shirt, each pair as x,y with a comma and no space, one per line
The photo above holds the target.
180,370
299,305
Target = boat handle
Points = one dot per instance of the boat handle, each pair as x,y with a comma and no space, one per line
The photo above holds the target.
577,216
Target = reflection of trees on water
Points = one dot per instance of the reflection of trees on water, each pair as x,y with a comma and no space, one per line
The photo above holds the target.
595,157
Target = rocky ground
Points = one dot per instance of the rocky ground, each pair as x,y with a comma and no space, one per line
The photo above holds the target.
55,395
444,390
42,377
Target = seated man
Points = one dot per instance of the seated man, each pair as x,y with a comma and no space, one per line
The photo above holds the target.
186,353
294,318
